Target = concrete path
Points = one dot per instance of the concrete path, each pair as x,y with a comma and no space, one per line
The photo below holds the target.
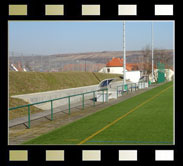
44,96
64,109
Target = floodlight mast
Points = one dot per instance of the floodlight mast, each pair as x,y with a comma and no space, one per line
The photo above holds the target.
124,55
152,36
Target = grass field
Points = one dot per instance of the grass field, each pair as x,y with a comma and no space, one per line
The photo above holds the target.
144,119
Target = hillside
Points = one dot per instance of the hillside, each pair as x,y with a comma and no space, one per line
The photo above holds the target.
89,61
30,82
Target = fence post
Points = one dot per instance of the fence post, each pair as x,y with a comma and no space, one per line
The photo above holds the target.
29,116
107,95
117,92
83,102
69,102
122,90
131,87
93,98
127,88
135,86
51,109
103,95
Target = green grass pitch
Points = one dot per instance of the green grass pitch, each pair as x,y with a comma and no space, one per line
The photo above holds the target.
150,123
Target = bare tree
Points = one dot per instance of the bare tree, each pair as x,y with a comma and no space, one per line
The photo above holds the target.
163,57
146,60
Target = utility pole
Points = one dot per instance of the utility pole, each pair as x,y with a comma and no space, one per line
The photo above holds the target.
13,60
49,62
41,68
22,62
124,55
33,65
85,65
152,36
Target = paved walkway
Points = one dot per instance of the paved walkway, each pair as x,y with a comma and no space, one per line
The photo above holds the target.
63,109
41,123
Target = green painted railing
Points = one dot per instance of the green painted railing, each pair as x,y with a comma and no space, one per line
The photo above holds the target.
65,97
129,87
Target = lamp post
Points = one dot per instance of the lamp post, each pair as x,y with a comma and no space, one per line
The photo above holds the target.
152,44
124,55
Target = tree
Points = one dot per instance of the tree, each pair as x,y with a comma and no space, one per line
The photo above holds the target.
146,60
164,57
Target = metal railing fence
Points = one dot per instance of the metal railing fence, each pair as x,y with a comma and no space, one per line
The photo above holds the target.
120,90
69,103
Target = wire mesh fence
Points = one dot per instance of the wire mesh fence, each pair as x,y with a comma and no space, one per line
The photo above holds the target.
52,63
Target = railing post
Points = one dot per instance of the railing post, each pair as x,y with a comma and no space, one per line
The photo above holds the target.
83,102
117,92
69,103
103,95
135,86
51,109
107,95
122,89
127,88
29,117
93,98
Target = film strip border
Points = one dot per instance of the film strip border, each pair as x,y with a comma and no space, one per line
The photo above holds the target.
89,155
89,10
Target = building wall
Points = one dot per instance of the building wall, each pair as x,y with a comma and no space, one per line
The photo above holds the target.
112,70
133,76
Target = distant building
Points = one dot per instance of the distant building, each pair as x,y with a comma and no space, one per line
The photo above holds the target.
115,66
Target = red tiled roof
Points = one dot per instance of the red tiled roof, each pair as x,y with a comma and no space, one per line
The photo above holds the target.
117,62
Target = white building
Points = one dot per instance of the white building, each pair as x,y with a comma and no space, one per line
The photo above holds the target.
115,66
112,70
133,76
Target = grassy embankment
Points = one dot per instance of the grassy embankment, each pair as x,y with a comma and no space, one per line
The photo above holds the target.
30,82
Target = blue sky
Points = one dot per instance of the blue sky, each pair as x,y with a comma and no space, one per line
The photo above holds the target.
52,37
